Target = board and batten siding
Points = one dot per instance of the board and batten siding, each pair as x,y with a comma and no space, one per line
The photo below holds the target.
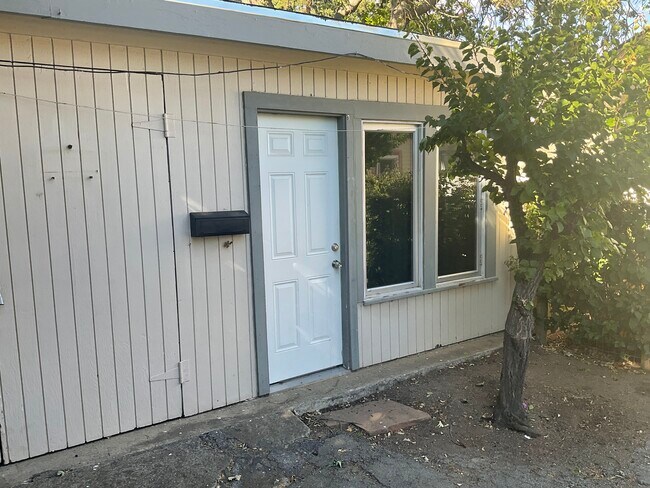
86,273
86,249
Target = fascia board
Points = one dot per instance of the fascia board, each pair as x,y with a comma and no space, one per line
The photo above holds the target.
218,20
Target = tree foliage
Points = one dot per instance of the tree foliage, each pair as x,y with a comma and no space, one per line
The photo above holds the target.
389,215
389,203
559,130
445,18
606,301
457,229
555,119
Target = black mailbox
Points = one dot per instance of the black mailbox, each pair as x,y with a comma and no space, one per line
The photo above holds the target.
205,224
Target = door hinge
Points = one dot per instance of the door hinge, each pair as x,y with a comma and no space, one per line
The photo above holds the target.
164,124
181,373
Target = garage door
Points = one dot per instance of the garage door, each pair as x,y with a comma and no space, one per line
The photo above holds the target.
88,327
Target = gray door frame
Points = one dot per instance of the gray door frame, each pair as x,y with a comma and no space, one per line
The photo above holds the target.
349,115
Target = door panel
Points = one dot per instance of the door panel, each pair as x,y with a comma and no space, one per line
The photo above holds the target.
283,228
87,267
300,211
316,186
285,305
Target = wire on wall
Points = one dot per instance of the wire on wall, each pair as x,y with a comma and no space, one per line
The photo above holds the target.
10,63
172,118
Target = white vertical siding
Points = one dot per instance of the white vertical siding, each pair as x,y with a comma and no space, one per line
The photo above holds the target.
180,216
96,242
86,249
10,342
102,283
114,237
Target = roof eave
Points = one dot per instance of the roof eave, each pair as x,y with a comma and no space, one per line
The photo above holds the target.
239,23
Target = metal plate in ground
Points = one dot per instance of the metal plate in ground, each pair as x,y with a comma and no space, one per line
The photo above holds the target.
379,416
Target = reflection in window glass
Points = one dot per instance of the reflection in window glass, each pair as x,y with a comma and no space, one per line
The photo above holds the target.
389,208
457,220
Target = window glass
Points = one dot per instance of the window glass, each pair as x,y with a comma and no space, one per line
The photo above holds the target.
457,220
389,162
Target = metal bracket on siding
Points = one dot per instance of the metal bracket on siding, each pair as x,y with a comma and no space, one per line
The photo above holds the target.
180,373
164,124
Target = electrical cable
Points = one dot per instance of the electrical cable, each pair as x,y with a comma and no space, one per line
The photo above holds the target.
10,63
151,117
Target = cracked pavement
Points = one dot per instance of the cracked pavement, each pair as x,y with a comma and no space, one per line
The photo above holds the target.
279,450
266,451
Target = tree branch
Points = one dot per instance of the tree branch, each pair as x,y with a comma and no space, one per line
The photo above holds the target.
348,9
424,7
265,3
486,173
511,176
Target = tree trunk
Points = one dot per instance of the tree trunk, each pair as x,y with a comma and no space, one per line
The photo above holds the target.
541,316
645,361
509,410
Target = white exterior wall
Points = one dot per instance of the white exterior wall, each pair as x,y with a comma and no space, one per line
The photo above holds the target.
77,303
86,250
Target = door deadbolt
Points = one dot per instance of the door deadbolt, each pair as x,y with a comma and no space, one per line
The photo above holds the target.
335,247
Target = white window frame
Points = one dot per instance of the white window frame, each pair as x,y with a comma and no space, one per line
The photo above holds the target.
481,205
417,226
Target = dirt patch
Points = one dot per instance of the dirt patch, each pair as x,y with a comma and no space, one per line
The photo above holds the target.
595,419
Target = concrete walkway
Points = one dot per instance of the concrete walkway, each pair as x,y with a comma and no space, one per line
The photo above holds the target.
261,440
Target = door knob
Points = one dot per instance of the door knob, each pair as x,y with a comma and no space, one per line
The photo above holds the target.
336,264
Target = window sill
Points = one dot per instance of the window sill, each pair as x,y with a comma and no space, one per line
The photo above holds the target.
477,280
414,292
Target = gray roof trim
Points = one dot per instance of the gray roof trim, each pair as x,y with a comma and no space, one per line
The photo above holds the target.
218,19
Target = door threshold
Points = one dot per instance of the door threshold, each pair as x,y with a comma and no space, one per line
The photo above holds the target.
324,374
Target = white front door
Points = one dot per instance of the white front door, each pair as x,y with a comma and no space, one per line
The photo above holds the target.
301,233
